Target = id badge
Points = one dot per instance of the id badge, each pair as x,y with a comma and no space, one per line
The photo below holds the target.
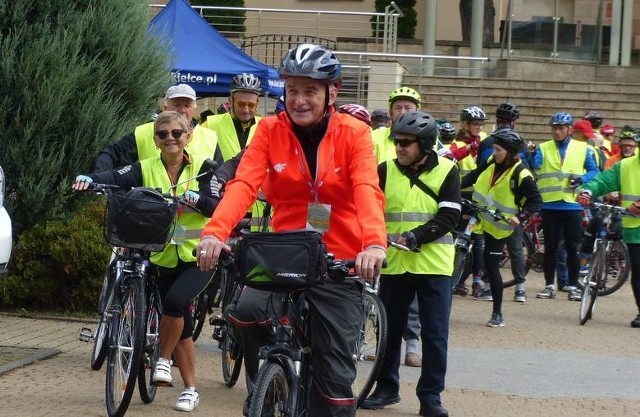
179,234
318,216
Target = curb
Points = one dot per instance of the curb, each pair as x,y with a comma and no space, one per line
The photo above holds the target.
39,354
47,317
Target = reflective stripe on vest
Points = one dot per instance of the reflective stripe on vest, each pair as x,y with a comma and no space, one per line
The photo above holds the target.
553,175
629,188
154,174
498,196
408,207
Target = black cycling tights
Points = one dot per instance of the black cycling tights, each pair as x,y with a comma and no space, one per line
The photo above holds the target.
177,287
492,253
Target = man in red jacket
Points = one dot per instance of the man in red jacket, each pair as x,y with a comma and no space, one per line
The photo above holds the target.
309,160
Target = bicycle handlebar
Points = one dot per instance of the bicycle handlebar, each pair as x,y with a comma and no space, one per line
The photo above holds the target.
477,208
623,211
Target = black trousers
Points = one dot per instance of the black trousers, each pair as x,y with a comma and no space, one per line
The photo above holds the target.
556,225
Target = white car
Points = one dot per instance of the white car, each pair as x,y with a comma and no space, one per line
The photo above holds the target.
6,240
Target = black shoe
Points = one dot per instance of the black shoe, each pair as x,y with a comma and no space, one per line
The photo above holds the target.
433,409
378,400
636,322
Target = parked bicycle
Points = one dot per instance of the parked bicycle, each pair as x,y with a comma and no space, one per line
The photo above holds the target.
608,248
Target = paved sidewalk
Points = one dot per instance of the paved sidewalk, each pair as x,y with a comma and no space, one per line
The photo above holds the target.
543,363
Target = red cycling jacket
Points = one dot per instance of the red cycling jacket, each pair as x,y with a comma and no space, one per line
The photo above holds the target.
346,179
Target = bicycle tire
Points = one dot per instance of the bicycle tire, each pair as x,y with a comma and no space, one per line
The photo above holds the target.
232,353
505,260
271,391
151,349
202,305
461,266
232,356
100,343
371,346
100,339
126,349
618,268
589,291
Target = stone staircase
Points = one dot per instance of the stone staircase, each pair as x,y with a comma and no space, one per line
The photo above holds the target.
444,97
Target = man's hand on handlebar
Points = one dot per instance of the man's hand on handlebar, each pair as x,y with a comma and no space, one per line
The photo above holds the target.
369,262
208,252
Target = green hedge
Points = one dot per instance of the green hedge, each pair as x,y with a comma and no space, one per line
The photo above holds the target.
61,263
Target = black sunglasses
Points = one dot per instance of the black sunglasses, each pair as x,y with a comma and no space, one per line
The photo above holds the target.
403,142
175,133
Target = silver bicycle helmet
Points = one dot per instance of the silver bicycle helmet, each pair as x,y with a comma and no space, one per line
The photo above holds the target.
472,113
312,61
246,82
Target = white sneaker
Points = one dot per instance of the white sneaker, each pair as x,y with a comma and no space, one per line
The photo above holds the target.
188,400
162,373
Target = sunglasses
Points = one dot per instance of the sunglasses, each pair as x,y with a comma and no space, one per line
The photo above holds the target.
243,104
403,142
175,133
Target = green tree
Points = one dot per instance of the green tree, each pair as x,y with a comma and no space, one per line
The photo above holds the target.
406,24
74,76
224,20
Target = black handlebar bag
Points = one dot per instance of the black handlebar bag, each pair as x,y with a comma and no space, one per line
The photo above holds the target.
140,218
281,261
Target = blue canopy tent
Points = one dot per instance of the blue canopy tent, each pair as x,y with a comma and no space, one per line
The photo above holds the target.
202,57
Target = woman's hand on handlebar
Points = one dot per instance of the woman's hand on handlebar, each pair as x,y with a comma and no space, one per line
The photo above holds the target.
81,183
208,252
369,262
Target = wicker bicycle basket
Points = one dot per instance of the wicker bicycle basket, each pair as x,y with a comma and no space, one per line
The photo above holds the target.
140,218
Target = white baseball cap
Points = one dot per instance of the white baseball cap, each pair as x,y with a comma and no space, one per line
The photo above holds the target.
180,90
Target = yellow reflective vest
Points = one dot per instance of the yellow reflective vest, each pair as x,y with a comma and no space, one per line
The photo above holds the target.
189,223
629,188
203,142
230,147
553,174
408,207
227,135
498,196
383,147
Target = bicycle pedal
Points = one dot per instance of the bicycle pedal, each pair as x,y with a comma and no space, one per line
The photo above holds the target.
85,334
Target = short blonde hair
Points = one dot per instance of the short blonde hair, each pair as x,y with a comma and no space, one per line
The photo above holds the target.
171,116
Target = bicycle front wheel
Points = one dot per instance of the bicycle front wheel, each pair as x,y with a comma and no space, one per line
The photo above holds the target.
370,346
125,349
151,349
590,289
100,342
271,393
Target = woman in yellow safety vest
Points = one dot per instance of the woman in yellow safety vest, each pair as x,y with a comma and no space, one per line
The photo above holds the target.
179,279
511,190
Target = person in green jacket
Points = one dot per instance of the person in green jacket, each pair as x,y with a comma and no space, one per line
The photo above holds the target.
623,177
